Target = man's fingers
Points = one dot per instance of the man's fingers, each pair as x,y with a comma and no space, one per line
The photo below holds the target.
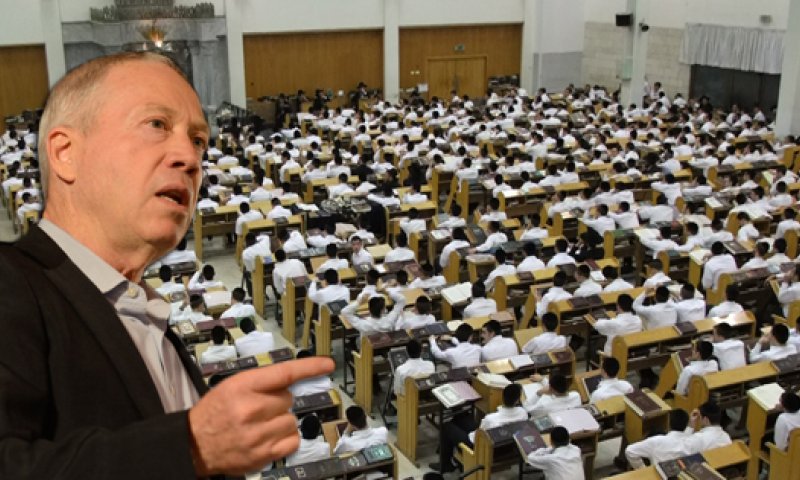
279,377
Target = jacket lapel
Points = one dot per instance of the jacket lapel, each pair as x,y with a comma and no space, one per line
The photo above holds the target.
188,363
99,316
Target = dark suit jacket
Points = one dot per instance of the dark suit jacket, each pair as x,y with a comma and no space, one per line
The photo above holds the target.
76,399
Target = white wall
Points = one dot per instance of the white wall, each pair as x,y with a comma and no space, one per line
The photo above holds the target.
564,35
454,12
260,16
20,23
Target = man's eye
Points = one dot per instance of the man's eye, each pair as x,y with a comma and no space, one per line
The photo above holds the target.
157,123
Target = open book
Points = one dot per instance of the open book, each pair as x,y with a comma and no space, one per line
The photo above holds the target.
493,379
217,298
575,420
767,396
458,294
455,393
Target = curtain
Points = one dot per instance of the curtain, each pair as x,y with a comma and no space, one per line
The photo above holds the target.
740,48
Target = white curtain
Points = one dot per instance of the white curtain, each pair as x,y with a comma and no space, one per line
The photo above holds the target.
740,48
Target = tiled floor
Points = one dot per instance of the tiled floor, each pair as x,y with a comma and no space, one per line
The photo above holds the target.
228,271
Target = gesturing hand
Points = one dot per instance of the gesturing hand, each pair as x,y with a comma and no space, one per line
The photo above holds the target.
245,422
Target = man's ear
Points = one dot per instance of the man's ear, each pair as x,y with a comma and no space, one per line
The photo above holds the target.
62,144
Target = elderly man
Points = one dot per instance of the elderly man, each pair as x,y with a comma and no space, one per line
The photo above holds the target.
92,382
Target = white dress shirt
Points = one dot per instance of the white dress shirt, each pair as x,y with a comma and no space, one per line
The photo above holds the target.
610,387
711,436
658,448
294,243
561,258
409,320
716,266
623,323
499,347
587,287
329,294
553,294
656,315
544,342
480,307
731,353
218,353
311,386
691,310
788,294
362,257
498,271
695,368
399,254
411,226
369,324
617,285
452,246
289,268
503,416
464,354
724,309
775,352
530,263
246,217
309,451
361,439
784,425
540,405
660,278
425,283
333,264
279,211
625,220
255,343
259,249
562,463
493,240
413,367
239,310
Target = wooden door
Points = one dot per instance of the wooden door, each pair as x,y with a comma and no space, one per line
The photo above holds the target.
23,84
465,75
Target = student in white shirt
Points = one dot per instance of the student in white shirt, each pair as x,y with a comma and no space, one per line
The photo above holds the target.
285,269
660,212
459,240
455,219
253,342
554,293
495,345
562,461
789,290
660,448
690,308
413,223
730,305
531,261
615,283
587,286
746,229
238,308
378,319
333,261
414,196
548,340
168,288
463,354
331,291
718,234
729,350
218,351
602,222
625,218
358,436
255,246
417,317
428,279
203,279
413,367
340,188
493,213
494,239
779,256
661,313
401,252
789,222
313,385
703,362
360,255
788,420
610,385
561,257
719,263
500,270
312,447
554,397
759,259
480,305
709,434
245,215
278,210
291,240
777,340
624,322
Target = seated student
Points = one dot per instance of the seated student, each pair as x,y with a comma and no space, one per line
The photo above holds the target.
654,274
718,234
703,361
548,340
238,308
331,291
458,241
413,195
587,287
205,201
553,397
660,448
615,282
624,322
387,198
195,311
310,386
278,210
747,232
203,279
777,341
179,255
625,218
719,263
463,354
291,241
690,308
779,256
531,261
708,433
660,313
493,213
333,261
169,287
29,203
759,260
789,222
284,269
413,223
218,351
360,254
340,188
398,285
693,238
788,420
461,429
561,257
495,345
253,342
428,279
245,215
562,461
454,220
324,237
730,305
312,447
729,350
480,305
400,252
789,290
500,270
533,230
255,246
601,222
378,319
554,293
494,239
415,366
358,436
610,385
660,212
419,316
661,243
238,197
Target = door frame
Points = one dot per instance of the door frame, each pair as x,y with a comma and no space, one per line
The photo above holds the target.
439,58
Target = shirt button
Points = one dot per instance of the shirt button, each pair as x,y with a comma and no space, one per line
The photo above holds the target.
133,292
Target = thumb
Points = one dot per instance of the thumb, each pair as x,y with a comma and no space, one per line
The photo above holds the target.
278,377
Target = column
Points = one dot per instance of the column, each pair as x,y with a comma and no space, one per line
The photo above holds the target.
531,25
635,58
391,50
233,25
53,40
788,116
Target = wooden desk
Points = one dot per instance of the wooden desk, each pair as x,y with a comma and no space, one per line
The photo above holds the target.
729,385
721,457
637,427
758,415
785,465
209,224
269,226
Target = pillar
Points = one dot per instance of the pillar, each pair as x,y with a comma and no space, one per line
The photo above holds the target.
531,26
635,58
788,116
391,50
53,40
235,41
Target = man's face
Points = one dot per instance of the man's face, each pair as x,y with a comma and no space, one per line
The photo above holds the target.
138,164
486,335
356,246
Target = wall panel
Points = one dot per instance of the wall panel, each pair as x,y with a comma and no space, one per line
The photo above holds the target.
284,63
502,44
23,84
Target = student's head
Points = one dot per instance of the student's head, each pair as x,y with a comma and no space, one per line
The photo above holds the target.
723,331
780,332
280,255
732,293
625,303
662,294
331,250
478,289
247,325
464,332
610,272
414,349
491,329
310,427
779,245
560,279
559,437
401,240
238,294
402,277
459,234
558,383
562,245
790,402
373,276
678,420
165,273
500,256
789,214
511,394
196,303
494,204
530,249
423,305
218,335
331,276
687,291
692,228
705,350
710,413
376,306
494,226
356,417
208,272
550,321
610,367
583,272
